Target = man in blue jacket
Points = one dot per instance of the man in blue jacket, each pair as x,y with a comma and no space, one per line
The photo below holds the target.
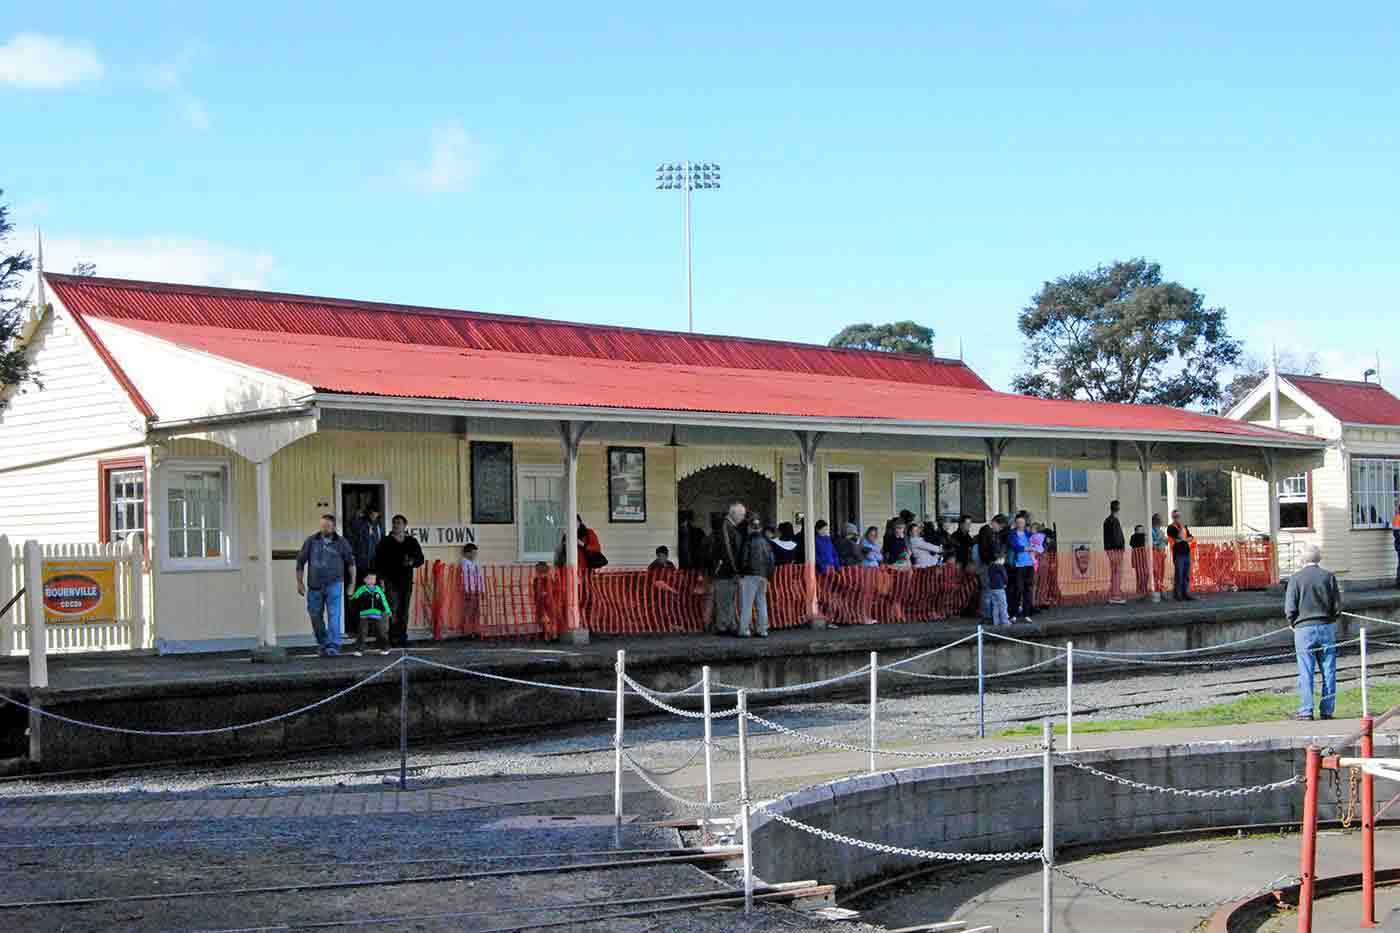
327,561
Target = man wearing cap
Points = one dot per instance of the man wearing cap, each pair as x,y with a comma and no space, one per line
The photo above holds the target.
848,546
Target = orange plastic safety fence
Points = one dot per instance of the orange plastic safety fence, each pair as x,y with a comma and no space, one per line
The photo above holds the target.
525,601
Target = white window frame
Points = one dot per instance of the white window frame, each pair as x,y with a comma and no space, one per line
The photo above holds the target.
1388,465
1050,482
114,503
898,478
229,559
532,470
1293,497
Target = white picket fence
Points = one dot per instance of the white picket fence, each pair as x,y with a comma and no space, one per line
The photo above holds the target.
129,631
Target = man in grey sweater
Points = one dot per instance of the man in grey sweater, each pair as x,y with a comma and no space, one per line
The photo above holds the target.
1312,603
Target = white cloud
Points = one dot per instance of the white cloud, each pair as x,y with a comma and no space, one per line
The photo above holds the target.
45,63
189,260
169,78
193,114
454,160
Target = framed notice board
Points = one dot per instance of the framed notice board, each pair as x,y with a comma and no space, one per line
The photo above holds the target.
493,483
627,484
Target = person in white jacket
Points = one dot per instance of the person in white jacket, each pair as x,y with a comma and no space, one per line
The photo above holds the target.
923,553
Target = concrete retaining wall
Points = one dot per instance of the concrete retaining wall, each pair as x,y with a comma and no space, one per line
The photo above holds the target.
995,806
443,703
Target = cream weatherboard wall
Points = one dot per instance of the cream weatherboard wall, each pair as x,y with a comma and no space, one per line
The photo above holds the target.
79,408
426,475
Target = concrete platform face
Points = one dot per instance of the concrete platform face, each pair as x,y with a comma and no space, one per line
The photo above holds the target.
191,692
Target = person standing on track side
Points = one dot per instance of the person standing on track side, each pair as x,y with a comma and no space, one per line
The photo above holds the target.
1113,546
398,556
330,560
725,567
1312,603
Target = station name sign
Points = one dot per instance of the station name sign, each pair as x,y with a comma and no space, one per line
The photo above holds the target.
443,535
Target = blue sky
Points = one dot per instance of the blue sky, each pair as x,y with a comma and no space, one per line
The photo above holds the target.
924,161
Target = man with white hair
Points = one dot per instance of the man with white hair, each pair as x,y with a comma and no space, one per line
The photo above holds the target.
1312,604
726,568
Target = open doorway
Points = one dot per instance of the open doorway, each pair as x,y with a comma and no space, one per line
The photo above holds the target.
843,498
356,496
1006,496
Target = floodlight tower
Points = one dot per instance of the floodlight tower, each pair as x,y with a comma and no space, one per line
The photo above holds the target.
685,177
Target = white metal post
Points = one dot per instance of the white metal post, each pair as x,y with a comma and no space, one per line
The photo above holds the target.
874,703
689,265
709,739
1047,832
1069,696
617,745
744,799
1365,706
981,689
34,614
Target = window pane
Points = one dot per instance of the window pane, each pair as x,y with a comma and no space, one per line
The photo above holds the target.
213,544
541,512
909,494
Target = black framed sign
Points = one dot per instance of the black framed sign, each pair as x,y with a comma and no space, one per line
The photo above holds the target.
493,483
961,489
627,484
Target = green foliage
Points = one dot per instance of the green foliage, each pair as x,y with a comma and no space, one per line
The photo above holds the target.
15,367
1258,707
899,337
1120,333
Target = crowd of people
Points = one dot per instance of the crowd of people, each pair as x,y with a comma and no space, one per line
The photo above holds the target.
740,553
373,572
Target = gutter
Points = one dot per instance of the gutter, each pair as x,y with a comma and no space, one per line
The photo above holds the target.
780,422
186,425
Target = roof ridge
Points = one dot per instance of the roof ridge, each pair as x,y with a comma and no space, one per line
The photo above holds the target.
354,303
1334,381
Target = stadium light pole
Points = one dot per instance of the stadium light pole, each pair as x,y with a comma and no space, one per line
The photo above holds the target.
685,177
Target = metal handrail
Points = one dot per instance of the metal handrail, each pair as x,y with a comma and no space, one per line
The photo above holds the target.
9,605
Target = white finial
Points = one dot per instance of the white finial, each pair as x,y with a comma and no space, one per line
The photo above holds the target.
39,273
961,359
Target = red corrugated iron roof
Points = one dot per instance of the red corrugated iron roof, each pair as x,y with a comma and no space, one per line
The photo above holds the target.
269,312
394,369
1349,401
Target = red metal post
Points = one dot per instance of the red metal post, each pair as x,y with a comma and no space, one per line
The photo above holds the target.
1309,860
1368,831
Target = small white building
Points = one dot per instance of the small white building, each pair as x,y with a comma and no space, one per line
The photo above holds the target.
1347,504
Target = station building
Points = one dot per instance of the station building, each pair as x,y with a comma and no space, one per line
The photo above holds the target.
221,423
1348,504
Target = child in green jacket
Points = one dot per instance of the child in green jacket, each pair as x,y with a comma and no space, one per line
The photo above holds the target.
371,605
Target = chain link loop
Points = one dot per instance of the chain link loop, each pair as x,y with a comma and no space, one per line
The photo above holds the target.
646,694
1017,670
918,756
1176,791
881,847
796,688
641,772
1279,882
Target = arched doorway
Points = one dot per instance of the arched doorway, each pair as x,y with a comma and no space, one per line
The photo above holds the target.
709,492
